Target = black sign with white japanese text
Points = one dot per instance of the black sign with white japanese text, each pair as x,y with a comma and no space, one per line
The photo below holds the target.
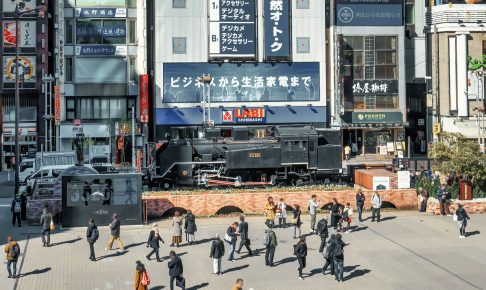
375,87
277,29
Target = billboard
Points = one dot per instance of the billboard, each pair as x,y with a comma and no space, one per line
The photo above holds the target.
261,82
101,12
232,29
27,67
277,33
369,12
101,50
99,197
244,116
24,5
27,33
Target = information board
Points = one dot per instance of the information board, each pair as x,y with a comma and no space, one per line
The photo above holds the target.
232,29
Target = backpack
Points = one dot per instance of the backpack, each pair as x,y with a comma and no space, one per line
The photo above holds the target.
321,226
266,239
15,251
338,249
17,206
95,234
145,279
296,253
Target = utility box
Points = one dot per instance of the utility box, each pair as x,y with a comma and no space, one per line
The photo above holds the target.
465,190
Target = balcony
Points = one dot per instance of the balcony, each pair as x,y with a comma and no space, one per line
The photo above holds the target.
456,14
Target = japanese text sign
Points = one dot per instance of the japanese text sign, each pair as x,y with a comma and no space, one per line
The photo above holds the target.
277,29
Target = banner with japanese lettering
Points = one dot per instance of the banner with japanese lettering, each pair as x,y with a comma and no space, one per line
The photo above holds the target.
246,82
27,33
232,29
369,12
375,87
101,12
277,37
144,98
24,5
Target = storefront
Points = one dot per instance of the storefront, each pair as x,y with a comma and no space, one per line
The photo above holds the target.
27,142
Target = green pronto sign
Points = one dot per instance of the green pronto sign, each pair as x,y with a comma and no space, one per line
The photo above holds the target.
377,117
475,63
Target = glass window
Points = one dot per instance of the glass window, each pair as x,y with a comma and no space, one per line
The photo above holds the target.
132,31
132,3
118,108
68,31
409,14
86,108
105,109
70,104
114,32
132,69
89,31
68,69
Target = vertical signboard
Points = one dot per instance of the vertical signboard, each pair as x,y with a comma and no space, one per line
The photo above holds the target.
144,102
232,29
277,34
57,104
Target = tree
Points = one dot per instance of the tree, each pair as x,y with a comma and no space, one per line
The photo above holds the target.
457,154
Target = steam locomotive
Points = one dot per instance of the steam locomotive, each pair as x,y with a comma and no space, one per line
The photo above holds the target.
284,155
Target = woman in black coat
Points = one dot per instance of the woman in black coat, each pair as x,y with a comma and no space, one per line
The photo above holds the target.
153,242
334,213
301,253
462,218
296,221
190,227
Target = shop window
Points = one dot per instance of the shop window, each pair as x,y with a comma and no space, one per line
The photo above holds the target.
68,69
132,70
409,14
132,31
68,31
90,31
96,108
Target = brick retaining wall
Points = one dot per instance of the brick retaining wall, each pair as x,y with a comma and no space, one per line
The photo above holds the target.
472,206
253,202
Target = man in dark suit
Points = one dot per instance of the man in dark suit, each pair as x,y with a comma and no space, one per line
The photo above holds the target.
176,271
244,241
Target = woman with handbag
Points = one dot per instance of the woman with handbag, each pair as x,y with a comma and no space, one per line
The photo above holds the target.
296,221
282,213
142,280
462,217
270,212
177,227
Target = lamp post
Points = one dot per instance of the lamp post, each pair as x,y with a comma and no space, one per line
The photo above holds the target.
17,15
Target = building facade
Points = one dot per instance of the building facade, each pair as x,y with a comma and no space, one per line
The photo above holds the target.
369,83
456,43
33,66
100,55
267,60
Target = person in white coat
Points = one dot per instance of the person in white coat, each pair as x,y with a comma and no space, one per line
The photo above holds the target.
282,213
375,207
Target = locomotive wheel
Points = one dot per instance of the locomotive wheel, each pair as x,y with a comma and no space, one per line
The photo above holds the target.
166,184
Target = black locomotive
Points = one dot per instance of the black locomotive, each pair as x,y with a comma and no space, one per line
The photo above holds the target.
283,155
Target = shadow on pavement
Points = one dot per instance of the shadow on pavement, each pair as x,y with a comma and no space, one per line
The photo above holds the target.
472,233
286,260
36,272
387,218
355,274
199,286
115,254
236,268
314,271
134,245
66,242
157,288
167,257
350,268
203,241
357,229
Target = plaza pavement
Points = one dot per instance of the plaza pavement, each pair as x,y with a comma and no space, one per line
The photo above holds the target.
407,250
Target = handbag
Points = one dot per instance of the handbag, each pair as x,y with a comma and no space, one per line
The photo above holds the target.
145,279
52,226
454,217
293,221
227,238
181,282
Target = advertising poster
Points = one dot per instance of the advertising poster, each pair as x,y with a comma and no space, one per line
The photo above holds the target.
24,5
262,82
27,67
27,33
381,182
403,178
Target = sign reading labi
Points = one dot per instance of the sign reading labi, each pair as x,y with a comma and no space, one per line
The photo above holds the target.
244,116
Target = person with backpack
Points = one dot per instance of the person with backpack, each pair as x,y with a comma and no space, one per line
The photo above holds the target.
153,242
176,271
322,232
231,237
190,227
16,209
243,232
217,253
346,216
375,207
92,235
12,249
45,221
360,200
337,252
462,218
300,251
326,253
115,234
270,243
296,222
142,279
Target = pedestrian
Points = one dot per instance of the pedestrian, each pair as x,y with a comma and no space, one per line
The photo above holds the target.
92,235
238,285
12,249
422,199
176,271
360,200
142,279
45,221
282,213
462,218
153,242
270,212
442,196
270,243
346,216
313,206
231,237
115,234
23,204
334,214
300,250
337,252
177,229
339,216
296,222
328,256
217,253
322,232
16,209
190,227
243,232
375,207
347,152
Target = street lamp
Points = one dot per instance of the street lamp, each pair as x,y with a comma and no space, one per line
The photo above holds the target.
40,10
